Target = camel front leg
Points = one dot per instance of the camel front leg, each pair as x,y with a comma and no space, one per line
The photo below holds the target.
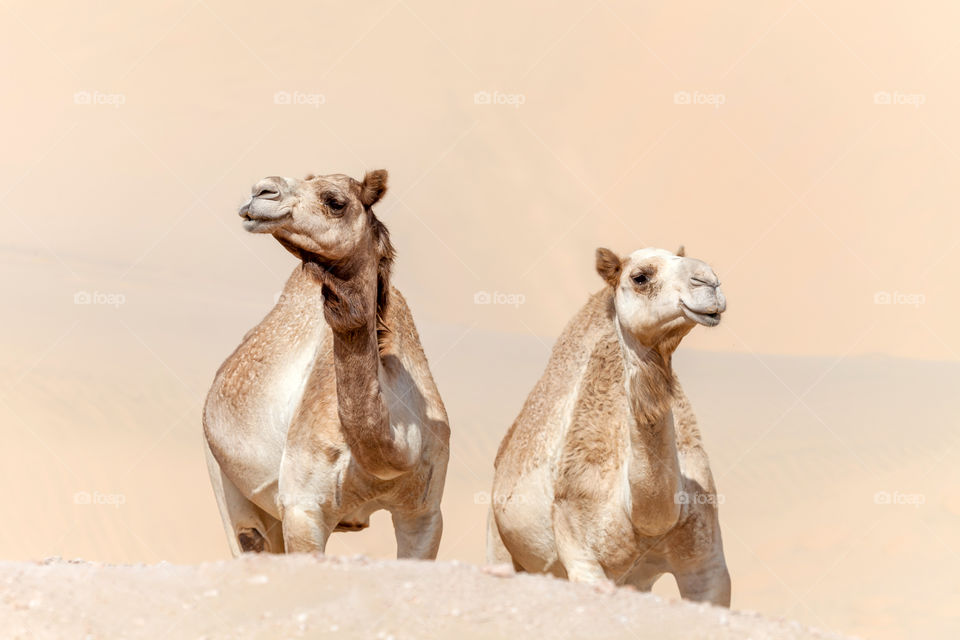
709,582
497,552
248,527
702,576
305,529
418,535
643,576
306,510
578,560
308,489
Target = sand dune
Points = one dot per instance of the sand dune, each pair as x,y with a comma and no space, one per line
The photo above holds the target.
302,596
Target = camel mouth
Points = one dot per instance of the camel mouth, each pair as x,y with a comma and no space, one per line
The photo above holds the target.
258,222
706,319
263,225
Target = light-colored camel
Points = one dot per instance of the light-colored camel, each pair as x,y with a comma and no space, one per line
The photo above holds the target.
327,411
603,475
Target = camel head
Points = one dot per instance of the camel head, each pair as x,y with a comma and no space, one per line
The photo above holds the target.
661,295
328,217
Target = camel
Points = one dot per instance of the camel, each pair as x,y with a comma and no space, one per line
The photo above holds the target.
603,477
327,410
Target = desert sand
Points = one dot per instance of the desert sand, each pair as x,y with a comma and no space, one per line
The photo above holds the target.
301,596
822,190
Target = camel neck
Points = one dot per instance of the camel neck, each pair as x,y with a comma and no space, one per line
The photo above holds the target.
649,378
350,291
654,465
350,306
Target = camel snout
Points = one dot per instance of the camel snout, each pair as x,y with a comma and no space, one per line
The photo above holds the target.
705,290
706,297
705,281
709,301
268,188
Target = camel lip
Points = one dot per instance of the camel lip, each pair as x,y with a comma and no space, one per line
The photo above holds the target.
275,214
261,224
706,319
246,213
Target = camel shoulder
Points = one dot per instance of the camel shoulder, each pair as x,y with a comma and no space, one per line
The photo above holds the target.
593,449
407,366
527,437
290,325
685,421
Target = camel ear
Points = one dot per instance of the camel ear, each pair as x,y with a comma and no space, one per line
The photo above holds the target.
373,187
682,251
608,266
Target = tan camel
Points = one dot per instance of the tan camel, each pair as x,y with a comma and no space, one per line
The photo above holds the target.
327,411
603,475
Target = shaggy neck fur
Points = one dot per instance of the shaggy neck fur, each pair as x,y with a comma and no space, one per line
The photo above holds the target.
654,466
347,283
356,294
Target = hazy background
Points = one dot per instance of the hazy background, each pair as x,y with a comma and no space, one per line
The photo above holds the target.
807,150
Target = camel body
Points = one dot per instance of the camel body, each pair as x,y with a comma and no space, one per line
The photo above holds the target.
283,472
582,491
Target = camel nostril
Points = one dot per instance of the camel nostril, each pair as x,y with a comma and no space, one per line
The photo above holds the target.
267,189
702,282
267,193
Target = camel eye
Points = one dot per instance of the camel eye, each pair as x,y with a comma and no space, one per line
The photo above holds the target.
641,278
335,205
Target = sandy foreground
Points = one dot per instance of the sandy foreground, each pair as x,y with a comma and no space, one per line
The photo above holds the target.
306,596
